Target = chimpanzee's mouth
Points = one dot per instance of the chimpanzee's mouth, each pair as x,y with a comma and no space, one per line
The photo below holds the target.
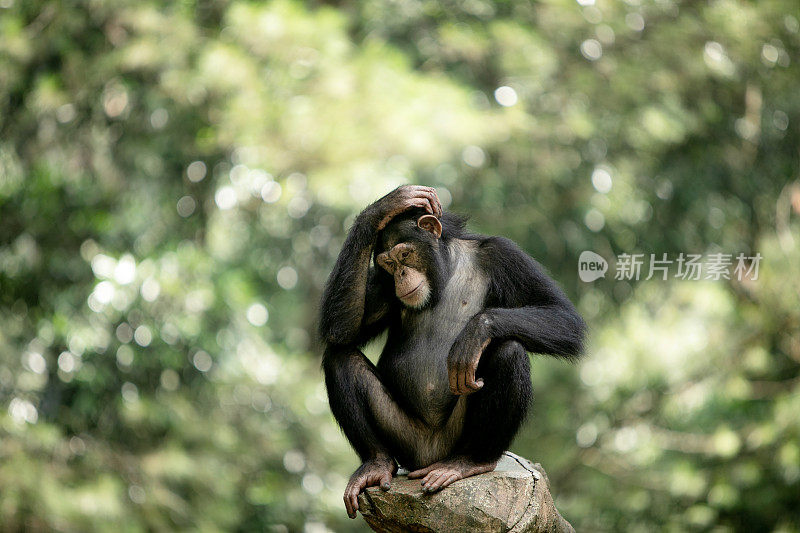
409,293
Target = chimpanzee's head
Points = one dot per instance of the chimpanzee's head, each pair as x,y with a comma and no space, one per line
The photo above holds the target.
409,250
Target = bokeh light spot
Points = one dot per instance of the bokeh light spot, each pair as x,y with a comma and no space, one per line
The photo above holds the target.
130,392
257,314
150,289
591,49
159,118
202,361
505,96
298,207
186,206
634,21
196,171
170,380
271,192
474,156
143,336
294,461
125,355
287,277
22,411
124,333
66,362
586,435
601,180
35,362
594,220
125,271
104,292
225,197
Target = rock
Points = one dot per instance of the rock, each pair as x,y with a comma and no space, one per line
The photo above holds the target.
515,497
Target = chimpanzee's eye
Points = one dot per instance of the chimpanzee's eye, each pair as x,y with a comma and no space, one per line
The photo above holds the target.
404,254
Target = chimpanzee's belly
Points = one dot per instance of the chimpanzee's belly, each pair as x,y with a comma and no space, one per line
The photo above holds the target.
416,365
419,375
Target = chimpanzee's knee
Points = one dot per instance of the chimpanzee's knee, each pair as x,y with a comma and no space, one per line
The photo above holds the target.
506,364
342,365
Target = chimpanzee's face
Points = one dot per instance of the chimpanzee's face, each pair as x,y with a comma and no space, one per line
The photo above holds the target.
408,257
411,284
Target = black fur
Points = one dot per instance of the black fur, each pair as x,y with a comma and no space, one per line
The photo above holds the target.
495,414
393,408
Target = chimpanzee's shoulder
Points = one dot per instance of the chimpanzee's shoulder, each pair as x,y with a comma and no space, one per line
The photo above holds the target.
499,248
501,256
497,243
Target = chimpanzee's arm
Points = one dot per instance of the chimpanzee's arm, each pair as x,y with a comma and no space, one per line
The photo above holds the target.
353,298
523,303
343,302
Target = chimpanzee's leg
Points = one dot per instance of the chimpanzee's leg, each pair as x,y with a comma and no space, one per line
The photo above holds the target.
493,416
371,419
376,426
496,412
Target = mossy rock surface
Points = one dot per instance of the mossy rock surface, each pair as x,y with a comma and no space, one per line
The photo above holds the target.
514,497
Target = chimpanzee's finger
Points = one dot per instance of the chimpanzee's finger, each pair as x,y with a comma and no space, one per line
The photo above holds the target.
436,484
386,482
421,472
444,479
431,209
472,383
449,480
438,203
423,199
354,497
431,484
469,377
430,194
462,380
421,202
348,503
452,374
416,192
356,488
427,479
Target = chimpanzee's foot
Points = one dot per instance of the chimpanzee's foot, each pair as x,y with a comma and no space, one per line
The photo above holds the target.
441,474
376,471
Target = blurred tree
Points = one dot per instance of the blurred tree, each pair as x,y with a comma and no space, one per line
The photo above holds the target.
176,180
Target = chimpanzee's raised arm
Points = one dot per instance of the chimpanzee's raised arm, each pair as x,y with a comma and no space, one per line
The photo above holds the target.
523,303
353,302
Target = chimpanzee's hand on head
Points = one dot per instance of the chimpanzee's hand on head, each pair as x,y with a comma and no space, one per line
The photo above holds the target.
378,471
465,354
404,198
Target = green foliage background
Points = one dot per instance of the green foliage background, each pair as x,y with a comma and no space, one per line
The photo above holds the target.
176,179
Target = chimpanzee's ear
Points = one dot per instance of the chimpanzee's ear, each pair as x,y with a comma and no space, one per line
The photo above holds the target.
430,224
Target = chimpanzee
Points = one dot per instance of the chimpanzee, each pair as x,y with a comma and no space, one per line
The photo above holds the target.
452,385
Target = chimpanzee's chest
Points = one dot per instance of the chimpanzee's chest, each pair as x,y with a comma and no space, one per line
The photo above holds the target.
414,361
